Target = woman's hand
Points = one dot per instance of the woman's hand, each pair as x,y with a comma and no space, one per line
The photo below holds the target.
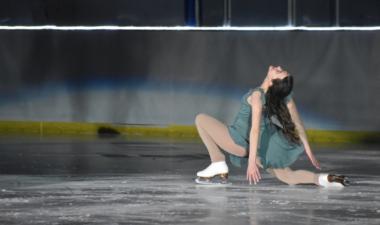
313,160
253,173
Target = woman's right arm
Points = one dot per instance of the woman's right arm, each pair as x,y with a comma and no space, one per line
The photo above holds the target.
253,173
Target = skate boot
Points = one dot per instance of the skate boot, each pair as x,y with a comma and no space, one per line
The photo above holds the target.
216,173
332,180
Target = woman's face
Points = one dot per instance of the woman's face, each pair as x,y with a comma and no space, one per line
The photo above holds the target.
276,72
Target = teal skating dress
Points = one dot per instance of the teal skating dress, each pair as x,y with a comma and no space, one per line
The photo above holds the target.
274,150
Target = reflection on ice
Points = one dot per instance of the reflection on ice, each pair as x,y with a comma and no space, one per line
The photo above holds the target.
79,183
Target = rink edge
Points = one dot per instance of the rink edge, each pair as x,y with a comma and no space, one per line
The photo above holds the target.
174,131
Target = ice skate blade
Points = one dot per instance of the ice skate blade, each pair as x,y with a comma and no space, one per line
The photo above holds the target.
340,179
211,182
346,182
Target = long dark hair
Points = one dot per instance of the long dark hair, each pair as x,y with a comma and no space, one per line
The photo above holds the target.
275,106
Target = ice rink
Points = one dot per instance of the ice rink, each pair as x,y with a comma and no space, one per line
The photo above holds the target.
120,181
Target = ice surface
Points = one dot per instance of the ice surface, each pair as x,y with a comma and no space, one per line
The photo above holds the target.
77,182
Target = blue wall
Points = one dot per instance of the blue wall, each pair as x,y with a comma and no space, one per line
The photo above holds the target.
162,77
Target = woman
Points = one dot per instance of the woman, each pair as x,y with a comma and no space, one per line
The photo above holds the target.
267,132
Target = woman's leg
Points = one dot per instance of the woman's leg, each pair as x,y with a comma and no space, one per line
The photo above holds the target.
213,134
289,176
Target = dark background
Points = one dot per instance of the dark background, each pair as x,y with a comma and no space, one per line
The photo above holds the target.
183,12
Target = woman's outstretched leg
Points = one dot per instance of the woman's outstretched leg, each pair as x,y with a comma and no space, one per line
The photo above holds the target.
214,134
289,176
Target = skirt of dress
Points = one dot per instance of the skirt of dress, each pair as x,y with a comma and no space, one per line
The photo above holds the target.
274,150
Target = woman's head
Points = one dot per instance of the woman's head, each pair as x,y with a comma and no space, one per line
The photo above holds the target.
280,86
276,72
280,82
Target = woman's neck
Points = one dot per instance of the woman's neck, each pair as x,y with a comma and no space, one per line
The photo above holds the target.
265,85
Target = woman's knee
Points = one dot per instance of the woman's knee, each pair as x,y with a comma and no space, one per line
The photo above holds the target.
283,175
200,117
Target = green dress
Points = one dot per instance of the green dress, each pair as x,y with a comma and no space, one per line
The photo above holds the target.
274,150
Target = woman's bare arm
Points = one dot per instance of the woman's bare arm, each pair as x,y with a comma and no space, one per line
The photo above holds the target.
291,105
253,173
256,106
299,124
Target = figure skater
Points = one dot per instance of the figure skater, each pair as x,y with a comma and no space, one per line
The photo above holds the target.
267,132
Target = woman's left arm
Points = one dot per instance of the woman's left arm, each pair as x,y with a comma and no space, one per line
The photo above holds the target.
291,105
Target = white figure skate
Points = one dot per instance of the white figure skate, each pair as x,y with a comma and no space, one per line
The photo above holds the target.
332,180
212,172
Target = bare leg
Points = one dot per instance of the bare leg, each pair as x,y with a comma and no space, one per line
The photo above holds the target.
289,176
213,134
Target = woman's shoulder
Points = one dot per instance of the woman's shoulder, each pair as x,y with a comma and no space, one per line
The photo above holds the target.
258,93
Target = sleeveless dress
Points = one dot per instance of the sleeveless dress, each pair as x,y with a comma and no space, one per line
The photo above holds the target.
274,150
